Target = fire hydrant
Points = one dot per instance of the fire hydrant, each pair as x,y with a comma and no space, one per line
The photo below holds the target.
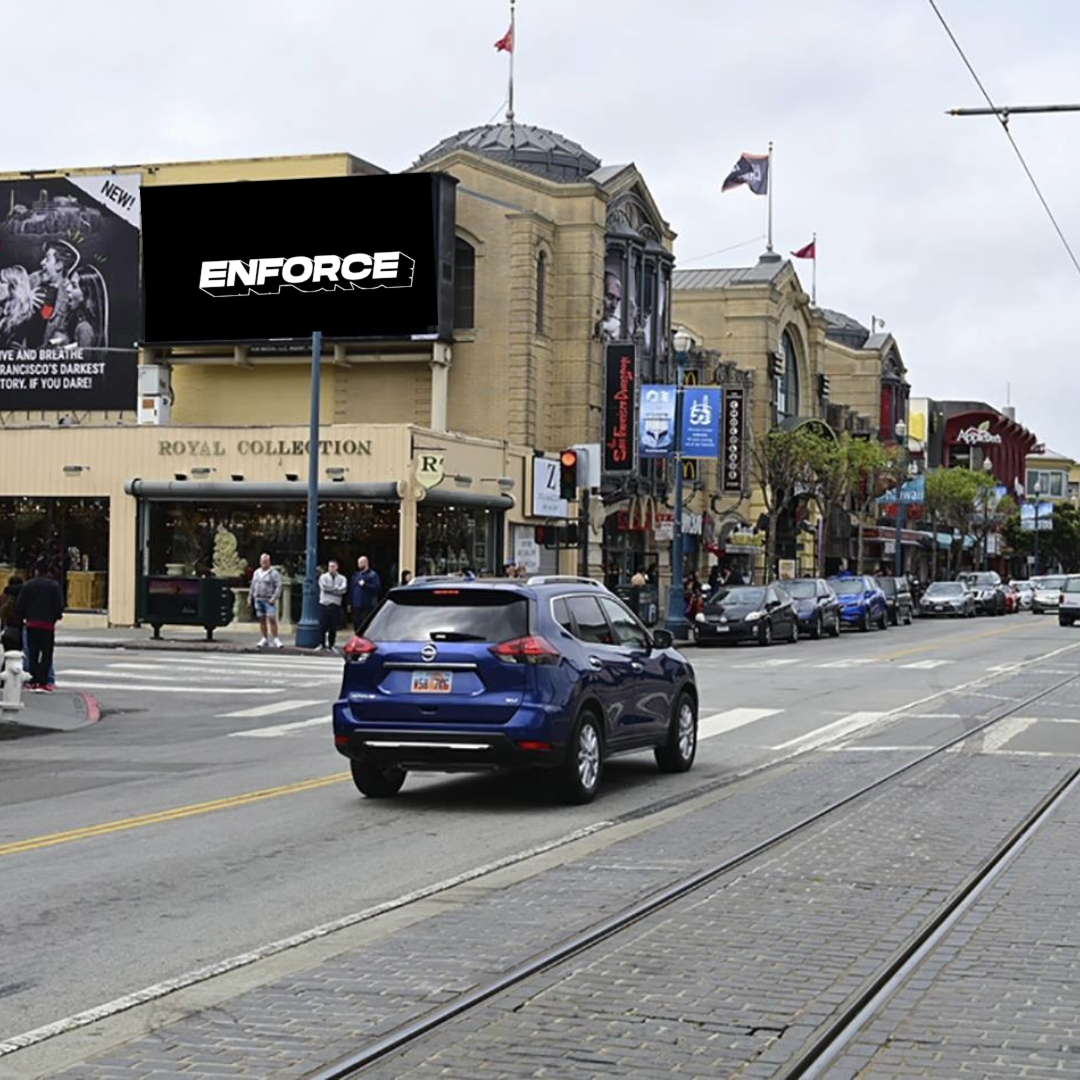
13,677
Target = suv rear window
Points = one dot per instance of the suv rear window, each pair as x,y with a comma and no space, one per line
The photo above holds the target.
450,615
1072,584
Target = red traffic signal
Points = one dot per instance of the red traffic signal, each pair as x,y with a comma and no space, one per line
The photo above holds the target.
568,475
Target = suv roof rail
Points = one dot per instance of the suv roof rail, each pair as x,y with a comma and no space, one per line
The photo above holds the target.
551,579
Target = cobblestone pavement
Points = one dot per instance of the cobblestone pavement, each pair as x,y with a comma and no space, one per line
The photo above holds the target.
724,983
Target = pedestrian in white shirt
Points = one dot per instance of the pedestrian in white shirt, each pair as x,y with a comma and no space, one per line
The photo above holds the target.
333,586
266,588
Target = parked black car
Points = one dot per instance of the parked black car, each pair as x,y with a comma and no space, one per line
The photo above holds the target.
898,599
761,613
987,590
816,606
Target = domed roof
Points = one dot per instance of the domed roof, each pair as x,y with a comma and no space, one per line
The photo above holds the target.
533,149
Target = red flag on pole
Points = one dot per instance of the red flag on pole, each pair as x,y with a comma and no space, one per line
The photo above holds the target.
506,42
808,252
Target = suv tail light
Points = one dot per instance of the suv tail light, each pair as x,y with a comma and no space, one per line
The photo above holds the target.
526,650
358,649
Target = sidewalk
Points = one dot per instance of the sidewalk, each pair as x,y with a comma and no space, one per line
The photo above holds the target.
241,638
62,710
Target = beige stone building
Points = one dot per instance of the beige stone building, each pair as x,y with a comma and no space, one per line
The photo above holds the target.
555,255
806,363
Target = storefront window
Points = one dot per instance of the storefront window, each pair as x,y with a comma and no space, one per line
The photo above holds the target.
226,539
72,535
455,539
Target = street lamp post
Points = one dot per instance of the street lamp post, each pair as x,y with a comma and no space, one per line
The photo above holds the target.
988,468
308,634
676,622
898,554
1038,491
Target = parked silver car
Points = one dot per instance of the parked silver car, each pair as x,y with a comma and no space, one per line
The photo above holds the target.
951,598
1047,595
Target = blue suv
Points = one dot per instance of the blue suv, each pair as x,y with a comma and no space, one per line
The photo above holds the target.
862,603
550,673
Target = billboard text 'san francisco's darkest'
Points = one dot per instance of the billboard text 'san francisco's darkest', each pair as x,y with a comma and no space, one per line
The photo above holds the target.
69,257
357,257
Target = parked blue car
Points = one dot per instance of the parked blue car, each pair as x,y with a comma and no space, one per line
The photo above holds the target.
862,603
549,673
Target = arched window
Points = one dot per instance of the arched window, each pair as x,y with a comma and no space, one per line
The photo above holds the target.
786,384
541,290
464,285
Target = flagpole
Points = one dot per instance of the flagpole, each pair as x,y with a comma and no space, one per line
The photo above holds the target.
513,45
768,246
813,286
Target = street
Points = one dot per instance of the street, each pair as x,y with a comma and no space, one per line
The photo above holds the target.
207,815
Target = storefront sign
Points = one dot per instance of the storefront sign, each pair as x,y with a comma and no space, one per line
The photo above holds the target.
262,447
700,428
429,469
619,430
526,552
657,421
546,499
978,436
356,257
734,423
69,257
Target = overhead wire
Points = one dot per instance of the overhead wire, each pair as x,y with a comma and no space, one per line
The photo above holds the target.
1003,120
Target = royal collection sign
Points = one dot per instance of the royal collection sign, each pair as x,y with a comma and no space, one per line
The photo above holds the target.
359,258
734,434
69,292
190,448
620,449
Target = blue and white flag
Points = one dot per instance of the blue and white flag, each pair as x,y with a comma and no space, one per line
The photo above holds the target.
700,431
657,421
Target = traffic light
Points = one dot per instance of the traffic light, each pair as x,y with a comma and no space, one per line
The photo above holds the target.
568,475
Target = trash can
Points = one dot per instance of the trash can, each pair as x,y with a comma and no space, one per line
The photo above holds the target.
185,601
642,600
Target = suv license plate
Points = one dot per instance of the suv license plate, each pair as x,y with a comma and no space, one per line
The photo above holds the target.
432,682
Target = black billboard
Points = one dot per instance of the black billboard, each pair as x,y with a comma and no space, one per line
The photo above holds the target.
356,257
69,298
620,420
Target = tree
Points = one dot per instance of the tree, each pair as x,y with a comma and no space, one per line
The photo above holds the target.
872,467
953,497
834,476
785,462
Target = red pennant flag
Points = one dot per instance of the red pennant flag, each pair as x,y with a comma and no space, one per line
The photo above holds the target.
808,252
506,42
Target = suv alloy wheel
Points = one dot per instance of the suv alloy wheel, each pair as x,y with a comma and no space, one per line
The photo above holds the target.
677,754
584,764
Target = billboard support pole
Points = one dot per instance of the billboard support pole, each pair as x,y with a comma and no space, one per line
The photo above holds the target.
308,634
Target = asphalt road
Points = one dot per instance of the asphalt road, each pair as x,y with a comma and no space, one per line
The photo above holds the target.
207,813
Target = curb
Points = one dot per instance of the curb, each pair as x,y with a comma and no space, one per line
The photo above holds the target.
93,708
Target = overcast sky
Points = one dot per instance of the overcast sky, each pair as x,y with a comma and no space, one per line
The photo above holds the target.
924,220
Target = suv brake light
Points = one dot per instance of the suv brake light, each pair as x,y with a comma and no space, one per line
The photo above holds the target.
526,650
359,648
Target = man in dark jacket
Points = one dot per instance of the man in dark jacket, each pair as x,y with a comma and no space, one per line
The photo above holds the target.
363,592
41,605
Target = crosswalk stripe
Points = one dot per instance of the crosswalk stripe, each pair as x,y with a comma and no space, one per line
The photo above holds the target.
926,665
270,708
173,689
285,682
846,725
721,722
850,661
768,663
281,729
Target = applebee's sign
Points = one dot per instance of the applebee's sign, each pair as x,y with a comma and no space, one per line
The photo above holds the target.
978,436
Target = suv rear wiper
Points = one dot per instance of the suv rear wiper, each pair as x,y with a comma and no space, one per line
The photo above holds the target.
454,635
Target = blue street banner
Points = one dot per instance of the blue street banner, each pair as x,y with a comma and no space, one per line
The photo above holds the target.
911,491
700,428
657,421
